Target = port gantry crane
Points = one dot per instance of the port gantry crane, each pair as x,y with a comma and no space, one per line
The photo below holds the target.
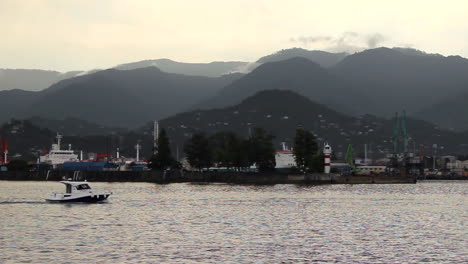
402,162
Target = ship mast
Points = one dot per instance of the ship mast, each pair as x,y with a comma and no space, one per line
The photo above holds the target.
138,147
155,137
59,140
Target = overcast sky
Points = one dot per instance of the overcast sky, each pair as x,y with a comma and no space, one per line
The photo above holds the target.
86,34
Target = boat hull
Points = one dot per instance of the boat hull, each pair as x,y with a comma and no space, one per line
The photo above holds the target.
83,199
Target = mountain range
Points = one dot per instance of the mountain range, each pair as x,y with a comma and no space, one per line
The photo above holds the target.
450,113
281,112
74,127
297,74
219,68
260,110
395,80
378,81
37,80
113,97
323,58
31,80
212,69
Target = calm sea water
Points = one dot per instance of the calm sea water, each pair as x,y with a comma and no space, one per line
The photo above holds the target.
186,223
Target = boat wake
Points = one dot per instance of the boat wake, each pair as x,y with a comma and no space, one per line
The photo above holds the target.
23,202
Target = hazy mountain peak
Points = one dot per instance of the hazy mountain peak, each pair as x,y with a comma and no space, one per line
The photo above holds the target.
297,74
293,61
414,52
381,51
31,79
325,59
211,69
449,113
113,97
273,95
399,80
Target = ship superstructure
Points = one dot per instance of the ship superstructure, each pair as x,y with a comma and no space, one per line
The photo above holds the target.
58,156
284,159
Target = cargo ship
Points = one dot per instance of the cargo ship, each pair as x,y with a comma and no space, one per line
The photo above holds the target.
58,156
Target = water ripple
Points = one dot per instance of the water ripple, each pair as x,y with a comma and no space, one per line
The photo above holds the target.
190,223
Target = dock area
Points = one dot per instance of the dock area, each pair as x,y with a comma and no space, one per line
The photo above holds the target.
177,176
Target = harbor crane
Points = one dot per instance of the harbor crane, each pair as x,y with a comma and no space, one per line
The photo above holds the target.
401,160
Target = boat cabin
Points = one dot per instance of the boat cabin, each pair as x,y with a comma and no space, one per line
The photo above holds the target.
72,186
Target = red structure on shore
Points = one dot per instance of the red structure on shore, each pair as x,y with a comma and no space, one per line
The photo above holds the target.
3,152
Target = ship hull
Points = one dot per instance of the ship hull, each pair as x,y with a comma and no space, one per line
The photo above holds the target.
83,199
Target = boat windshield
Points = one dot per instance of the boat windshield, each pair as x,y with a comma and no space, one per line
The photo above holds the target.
83,187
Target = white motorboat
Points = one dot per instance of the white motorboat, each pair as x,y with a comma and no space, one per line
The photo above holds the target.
78,191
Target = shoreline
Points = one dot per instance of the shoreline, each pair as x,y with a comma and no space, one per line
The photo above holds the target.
165,177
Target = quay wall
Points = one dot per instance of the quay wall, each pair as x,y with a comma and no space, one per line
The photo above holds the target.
205,177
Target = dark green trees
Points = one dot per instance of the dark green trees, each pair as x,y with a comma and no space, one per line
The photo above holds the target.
17,165
262,150
163,158
305,150
198,151
317,163
227,150
240,154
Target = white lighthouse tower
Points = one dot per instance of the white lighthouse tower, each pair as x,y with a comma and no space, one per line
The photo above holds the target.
327,150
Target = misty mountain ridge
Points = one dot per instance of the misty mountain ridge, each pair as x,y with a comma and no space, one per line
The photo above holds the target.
219,68
451,113
378,81
36,80
115,98
323,58
296,74
211,69
12,102
74,127
398,81
281,112
415,52
31,80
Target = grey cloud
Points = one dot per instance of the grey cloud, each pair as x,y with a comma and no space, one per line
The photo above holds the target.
347,42
309,40
406,45
344,47
374,40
